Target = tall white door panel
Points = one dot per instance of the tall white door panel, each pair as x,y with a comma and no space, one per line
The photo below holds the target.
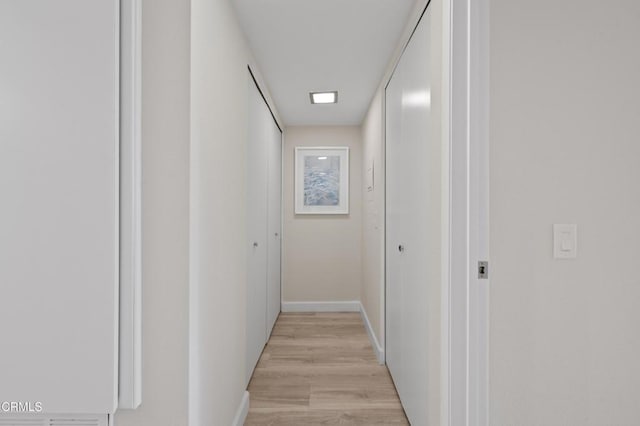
257,205
413,224
275,226
264,188
395,228
59,229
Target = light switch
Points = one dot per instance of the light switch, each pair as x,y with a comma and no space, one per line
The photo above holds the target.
565,241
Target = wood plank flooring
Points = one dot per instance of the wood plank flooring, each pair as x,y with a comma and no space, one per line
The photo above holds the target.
320,369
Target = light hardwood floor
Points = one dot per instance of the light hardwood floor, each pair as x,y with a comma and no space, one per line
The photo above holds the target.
320,369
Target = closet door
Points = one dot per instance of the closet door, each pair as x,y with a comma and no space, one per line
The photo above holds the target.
396,208
257,148
413,228
275,224
264,192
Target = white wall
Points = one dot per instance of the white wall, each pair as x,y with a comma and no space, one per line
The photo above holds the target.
219,122
321,258
565,146
59,217
165,221
372,292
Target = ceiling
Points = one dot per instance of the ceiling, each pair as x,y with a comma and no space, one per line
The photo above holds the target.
304,46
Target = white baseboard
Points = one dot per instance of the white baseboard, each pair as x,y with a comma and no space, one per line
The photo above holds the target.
372,336
352,306
243,410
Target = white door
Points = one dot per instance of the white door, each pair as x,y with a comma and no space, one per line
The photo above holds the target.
396,206
264,191
59,96
257,205
275,225
414,248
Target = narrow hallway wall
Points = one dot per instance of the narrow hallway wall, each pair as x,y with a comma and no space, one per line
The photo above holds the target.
322,253
218,211
372,294
218,251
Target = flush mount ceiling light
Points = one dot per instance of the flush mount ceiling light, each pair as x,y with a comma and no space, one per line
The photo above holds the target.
323,97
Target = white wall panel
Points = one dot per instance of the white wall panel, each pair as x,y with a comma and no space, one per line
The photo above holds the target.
59,215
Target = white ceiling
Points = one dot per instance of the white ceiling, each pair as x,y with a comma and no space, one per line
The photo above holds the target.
304,46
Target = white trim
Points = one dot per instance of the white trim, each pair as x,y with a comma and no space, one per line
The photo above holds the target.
458,312
130,332
383,249
478,381
467,296
446,216
377,348
346,306
242,411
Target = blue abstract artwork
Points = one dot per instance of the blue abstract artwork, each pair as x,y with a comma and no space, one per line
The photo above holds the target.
322,180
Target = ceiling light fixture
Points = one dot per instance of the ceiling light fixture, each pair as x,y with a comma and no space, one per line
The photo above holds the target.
322,158
324,97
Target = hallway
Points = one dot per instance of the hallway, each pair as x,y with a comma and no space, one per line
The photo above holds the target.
319,213
318,369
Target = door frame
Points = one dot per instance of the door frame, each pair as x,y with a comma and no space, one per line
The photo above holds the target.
465,297
130,339
467,301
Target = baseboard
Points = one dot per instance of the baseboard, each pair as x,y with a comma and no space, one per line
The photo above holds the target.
372,336
243,410
353,306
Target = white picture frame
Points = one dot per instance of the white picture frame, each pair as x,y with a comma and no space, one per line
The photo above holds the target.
322,180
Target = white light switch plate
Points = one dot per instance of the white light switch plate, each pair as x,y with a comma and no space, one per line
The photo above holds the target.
565,241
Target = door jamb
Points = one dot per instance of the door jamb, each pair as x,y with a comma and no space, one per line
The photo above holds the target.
468,296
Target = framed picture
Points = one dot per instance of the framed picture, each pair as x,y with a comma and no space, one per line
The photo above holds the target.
322,180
